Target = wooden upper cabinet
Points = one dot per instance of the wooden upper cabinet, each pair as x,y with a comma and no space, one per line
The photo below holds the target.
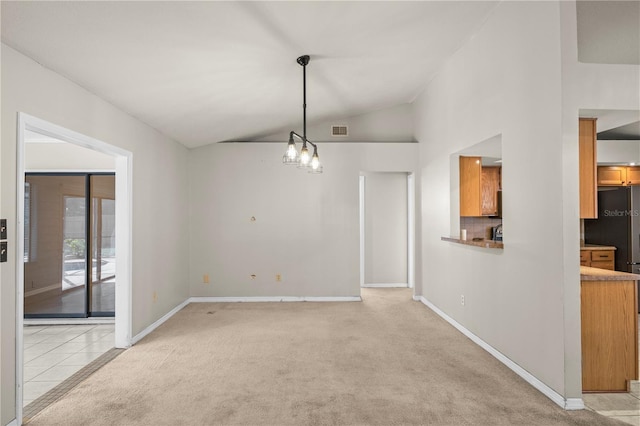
612,175
587,160
490,187
633,175
470,186
618,175
479,187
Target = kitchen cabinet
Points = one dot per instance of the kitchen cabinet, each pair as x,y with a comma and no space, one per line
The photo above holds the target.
587,166
602,257
470,186
618,175
479,188
609,326
490,179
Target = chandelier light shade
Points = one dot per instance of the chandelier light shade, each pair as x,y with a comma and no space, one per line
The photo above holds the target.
303,159
291,156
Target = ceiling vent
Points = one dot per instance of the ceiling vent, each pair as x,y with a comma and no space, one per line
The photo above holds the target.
339,130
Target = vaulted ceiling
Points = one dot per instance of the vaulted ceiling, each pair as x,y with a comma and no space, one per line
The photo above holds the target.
205,72
209,71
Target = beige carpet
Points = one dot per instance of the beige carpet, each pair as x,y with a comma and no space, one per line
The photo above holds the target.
385,361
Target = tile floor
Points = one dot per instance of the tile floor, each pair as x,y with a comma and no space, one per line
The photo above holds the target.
53,353
621,406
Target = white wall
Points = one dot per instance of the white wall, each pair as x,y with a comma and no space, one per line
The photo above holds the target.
385,201
518,77
392,124
584,87
66,157
306,227
618,151
505,80
160,211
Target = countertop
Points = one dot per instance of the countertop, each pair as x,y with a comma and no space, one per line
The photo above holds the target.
481,243
596,274
596,247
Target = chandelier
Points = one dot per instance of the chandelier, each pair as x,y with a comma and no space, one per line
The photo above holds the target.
302,159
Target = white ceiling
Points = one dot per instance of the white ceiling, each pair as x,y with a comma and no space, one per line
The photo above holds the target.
205,72
609,31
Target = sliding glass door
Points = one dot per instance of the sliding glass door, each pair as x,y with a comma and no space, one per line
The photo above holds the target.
69,245
103,246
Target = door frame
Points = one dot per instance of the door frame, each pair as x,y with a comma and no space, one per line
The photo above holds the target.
411,226
124,237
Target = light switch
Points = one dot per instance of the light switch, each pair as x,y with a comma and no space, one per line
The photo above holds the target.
3,229
3,251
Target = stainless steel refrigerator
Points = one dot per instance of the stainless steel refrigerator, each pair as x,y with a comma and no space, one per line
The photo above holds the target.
618,225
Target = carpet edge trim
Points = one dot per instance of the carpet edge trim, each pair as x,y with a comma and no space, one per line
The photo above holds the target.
566,404
218,299
135,339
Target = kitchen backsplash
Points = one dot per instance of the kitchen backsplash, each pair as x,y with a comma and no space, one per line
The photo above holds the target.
479,227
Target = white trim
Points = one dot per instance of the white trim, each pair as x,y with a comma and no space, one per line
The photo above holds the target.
69,170
411,230
385,285
567,404
23,120
572,404
124,234
158,323
69,321
275,299
361,183
124,252
13,422
44,127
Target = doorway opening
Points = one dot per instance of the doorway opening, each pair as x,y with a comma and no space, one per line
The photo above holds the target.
69,245
387,224
72,206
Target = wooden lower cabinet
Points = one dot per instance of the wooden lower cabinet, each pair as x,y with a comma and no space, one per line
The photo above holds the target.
603,259
609,314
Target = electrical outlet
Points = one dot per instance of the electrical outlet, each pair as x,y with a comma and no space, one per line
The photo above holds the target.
278,277
462,299
205,278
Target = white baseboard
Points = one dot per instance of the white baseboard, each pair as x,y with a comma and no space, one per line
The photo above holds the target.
275,299
573,404
158,323
385,285
567,404
69,321
13,422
